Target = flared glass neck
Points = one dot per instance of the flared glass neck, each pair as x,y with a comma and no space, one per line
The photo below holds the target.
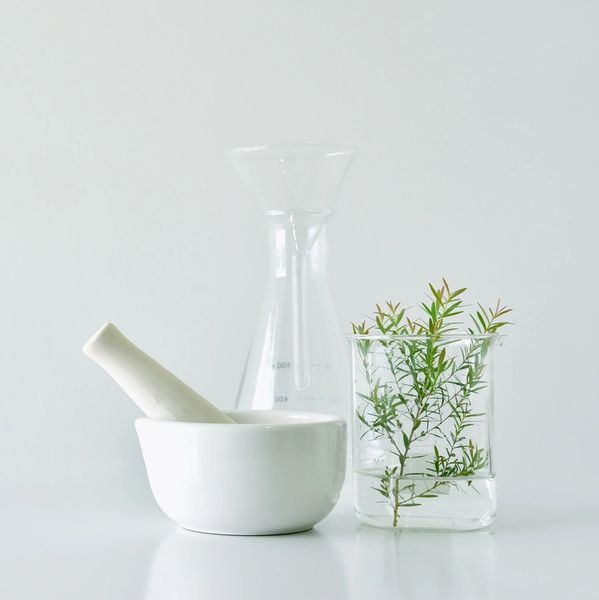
293,176
297,240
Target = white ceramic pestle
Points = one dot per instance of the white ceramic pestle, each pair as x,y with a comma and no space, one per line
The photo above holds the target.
158,393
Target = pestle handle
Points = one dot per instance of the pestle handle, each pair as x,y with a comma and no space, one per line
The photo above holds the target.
158,393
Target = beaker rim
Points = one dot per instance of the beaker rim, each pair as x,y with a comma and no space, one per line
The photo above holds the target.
278,212
420,336
297,148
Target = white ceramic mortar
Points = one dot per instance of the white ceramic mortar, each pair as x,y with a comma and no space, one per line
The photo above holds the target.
270,472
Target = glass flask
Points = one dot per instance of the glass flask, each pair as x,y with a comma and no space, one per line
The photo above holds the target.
297,358
422,442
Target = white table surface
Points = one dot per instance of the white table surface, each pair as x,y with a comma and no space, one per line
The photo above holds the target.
84,553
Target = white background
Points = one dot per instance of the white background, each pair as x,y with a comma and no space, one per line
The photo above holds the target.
479,163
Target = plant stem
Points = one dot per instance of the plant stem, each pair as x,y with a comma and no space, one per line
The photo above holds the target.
402,465
395,502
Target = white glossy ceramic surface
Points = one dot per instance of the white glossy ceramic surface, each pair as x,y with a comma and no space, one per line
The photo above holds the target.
271,472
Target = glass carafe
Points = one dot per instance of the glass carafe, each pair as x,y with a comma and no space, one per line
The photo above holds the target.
297,357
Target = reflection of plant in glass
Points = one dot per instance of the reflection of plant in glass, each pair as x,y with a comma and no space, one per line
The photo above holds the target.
428,396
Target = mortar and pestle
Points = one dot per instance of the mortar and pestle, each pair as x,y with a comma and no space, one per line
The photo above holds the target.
252,472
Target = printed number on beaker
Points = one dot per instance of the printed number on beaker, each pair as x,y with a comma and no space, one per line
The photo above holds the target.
281,365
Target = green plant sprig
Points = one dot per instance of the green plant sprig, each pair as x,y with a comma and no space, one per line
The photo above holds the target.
429,391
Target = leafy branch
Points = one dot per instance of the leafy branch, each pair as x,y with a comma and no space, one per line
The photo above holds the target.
429,391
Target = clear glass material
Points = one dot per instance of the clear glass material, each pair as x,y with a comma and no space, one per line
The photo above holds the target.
422,431
297,356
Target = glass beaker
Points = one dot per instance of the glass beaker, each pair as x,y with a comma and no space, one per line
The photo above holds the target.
297,356
423,441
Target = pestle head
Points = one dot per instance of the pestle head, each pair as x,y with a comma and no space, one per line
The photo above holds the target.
107,331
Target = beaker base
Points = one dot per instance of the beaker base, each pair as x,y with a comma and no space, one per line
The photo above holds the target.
448,505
